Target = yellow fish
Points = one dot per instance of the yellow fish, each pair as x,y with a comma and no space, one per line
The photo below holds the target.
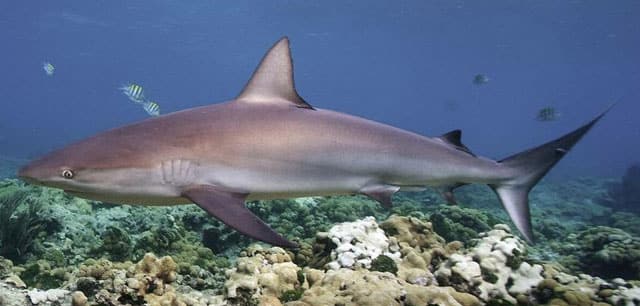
134,92
152,108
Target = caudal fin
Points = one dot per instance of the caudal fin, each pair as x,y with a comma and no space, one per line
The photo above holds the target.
529,167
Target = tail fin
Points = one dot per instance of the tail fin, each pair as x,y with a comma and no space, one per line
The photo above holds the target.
530,166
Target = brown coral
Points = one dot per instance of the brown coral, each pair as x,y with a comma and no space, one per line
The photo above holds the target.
362,287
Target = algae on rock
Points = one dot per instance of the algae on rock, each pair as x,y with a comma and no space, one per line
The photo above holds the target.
21,220
262,272
455,223
606,252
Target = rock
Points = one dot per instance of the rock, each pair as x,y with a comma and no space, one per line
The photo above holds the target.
12,296
358,243
607,252
605,293
525,278
364,288
412,233
88,285
626,296
52,295
458,223
262,272
313,276
493,269
151,281
269,301
585,290
78,299
420,247
163,268
15,281
37,296
6,266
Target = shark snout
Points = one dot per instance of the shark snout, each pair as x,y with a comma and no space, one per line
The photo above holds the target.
29,174
33,173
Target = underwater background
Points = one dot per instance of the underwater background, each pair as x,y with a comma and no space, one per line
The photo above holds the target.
511,75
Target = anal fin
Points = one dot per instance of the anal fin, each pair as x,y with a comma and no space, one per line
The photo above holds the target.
381,193
229,208
447,193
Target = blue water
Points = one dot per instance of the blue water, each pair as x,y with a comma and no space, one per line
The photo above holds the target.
405,63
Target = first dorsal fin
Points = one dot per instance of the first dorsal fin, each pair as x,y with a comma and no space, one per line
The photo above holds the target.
272,82
454,138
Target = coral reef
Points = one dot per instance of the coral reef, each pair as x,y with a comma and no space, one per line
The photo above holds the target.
459,223
625,221
494,272
269,274
41,274
605,252
152,281
92,253
424,271
559,288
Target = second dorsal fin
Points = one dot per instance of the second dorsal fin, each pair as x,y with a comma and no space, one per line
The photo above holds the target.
454,138
272,82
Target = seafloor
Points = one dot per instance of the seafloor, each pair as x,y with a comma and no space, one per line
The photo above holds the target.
60,250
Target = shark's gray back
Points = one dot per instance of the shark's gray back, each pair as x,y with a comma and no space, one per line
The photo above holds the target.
286,143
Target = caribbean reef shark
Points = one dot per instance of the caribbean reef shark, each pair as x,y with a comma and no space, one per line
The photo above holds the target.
270,143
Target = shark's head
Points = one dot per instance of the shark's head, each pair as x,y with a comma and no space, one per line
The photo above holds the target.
103,164
64,169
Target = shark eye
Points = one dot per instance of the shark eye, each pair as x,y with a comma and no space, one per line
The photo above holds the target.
67,173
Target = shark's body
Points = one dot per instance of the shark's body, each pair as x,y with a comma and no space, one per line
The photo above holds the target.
269,143
275,151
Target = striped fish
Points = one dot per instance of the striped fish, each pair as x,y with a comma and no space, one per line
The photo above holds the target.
152,108
134,92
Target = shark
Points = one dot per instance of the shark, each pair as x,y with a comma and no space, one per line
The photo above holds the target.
270,143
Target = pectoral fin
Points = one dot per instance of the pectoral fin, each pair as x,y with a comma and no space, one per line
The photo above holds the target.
229,208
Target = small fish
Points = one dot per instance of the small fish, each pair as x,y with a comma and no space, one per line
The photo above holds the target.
547,114
134,92
152,108
48,68
480,79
